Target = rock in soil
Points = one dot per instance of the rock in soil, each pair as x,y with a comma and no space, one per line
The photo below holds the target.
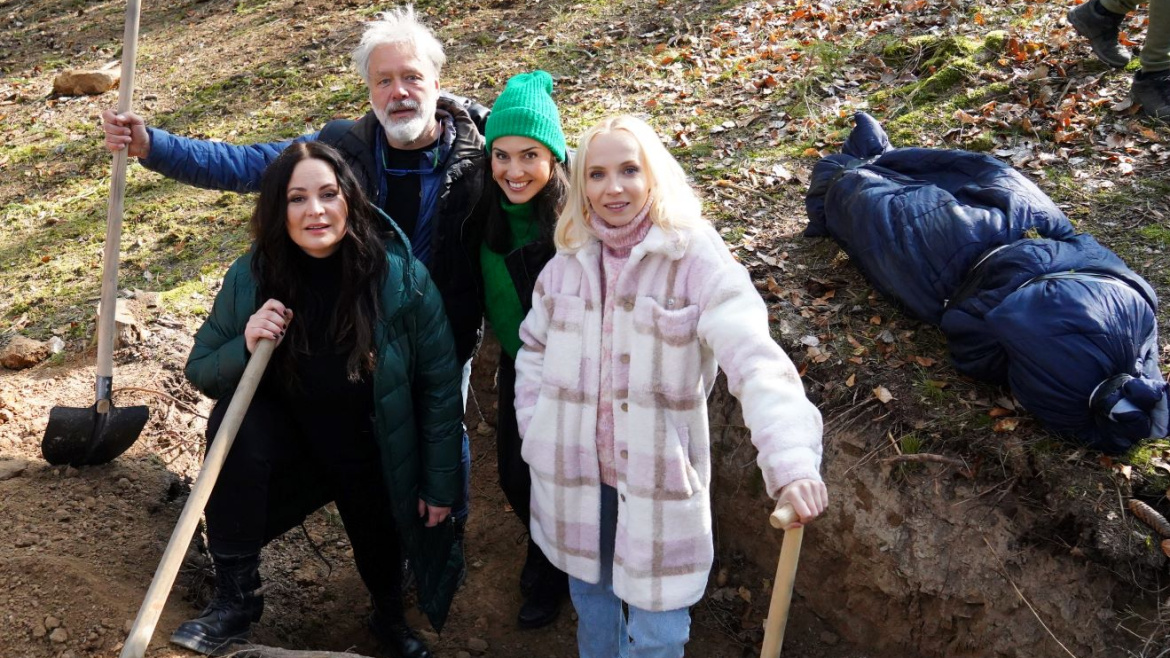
77,82
10,468
21,353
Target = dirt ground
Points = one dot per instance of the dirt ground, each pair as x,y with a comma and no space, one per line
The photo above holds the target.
80,545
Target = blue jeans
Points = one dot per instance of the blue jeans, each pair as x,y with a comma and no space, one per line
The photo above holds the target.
602,629
462,506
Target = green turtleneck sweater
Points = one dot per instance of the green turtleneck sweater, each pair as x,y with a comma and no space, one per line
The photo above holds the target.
501,303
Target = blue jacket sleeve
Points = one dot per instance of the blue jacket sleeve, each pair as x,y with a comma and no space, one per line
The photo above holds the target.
212,165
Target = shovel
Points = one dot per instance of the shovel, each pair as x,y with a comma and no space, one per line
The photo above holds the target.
785,578
98,434
172,559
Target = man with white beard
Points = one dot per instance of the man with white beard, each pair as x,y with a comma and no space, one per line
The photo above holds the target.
419,154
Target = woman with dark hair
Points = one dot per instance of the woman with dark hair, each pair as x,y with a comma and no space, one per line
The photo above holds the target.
529,169
360,405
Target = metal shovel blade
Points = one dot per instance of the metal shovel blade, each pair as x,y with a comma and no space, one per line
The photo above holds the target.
84,437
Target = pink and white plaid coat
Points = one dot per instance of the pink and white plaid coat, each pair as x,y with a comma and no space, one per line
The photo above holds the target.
682,304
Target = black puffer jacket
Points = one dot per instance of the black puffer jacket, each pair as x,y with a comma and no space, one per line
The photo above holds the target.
455,245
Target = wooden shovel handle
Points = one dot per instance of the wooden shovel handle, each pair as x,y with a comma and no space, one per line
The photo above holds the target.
778,608
783,517
172,559
109,304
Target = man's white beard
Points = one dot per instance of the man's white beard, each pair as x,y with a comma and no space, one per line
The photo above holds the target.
403,132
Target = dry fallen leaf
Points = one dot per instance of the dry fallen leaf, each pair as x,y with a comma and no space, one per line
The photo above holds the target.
1125,470
851,380
1122,105
882,394
1038,73
963,117
999,412
1006,424
924,361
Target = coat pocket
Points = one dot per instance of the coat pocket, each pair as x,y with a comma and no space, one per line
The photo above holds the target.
677,478
666,358
565,345
684,438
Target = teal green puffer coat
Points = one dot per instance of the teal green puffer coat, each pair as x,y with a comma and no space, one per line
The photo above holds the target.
418,408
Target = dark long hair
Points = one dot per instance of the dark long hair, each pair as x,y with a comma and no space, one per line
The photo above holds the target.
362,251
547,205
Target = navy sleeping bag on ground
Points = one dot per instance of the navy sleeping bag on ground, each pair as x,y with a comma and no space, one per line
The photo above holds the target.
916,220
963,241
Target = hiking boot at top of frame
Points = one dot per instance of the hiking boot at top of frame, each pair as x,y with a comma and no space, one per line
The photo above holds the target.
1152,91
227,620
1102,28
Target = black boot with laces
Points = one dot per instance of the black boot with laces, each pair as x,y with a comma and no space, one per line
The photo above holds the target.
227,620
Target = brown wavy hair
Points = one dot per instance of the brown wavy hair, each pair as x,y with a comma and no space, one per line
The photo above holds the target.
362,251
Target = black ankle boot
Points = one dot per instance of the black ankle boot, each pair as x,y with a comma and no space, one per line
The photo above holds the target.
394,635
226,621
543,604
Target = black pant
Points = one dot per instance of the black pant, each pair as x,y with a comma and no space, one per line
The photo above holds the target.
515,479
287,461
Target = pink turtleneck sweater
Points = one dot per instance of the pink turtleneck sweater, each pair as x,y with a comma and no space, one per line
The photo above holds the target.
617,243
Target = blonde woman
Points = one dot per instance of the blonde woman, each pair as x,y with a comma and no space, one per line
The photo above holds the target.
619,354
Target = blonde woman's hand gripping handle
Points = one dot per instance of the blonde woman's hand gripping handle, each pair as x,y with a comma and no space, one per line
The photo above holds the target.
800,502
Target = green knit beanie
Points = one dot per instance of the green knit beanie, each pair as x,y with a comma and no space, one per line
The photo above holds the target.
526,109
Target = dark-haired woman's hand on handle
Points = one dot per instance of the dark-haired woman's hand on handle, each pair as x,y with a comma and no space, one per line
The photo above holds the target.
431,515
270,321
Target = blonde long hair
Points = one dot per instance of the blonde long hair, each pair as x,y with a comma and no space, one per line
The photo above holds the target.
673,204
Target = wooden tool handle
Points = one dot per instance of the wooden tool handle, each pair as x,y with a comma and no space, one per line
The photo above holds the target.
108,307
172,559
784,516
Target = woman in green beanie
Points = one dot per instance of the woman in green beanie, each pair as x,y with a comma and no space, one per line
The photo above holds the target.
527,151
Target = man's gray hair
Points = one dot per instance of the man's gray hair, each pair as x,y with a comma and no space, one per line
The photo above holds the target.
395,27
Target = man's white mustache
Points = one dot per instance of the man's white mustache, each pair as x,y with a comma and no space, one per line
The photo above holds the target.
396,106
